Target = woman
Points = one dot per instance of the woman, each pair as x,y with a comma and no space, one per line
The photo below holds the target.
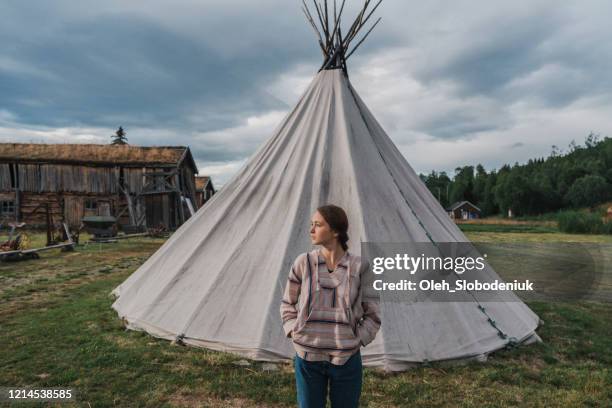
325,313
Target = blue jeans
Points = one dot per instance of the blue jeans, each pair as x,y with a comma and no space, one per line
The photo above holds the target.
313,377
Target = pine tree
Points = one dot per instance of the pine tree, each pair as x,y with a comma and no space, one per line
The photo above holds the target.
119,138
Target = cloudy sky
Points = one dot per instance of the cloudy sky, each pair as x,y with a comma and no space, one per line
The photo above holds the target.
452,82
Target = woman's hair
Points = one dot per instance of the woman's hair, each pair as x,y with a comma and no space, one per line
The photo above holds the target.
337,220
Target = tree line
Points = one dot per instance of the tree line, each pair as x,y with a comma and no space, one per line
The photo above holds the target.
578,177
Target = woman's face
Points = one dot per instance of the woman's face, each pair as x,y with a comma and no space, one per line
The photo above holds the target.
320,231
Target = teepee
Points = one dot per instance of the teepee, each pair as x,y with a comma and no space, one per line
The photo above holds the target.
217,282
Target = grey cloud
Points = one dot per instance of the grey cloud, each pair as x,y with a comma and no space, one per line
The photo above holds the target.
457,127
494,57
127,70
172,72
205,152
510,57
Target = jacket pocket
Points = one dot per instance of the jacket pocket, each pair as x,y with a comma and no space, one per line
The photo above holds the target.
354,329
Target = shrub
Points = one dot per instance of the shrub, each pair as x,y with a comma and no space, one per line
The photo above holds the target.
588,191
606,228
576,222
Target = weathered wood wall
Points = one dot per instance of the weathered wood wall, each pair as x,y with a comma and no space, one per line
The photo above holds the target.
5,177
161,209
29,202
73,207
66,178
66,187
189,187
133,179
7,196
40,178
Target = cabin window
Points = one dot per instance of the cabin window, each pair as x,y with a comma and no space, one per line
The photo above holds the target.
91,205
7,207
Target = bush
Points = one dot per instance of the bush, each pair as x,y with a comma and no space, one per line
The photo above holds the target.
606,228
576,222
588,191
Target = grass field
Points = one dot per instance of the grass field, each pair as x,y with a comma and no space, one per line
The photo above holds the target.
57,330
509,227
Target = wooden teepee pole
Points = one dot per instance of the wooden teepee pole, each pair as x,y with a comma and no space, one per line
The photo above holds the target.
335,45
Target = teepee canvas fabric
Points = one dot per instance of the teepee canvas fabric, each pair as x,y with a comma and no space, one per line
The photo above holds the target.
217,282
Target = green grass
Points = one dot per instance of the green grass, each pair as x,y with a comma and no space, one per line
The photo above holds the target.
57,330
575,221
530,228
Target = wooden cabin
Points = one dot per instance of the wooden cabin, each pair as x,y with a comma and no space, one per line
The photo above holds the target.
464,210
141,186
204,189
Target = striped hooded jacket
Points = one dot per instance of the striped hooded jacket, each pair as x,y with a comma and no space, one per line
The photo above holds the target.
326,313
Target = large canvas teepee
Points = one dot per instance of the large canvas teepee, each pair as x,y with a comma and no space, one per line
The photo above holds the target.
218,281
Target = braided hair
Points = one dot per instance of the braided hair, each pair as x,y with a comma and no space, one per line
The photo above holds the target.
338,222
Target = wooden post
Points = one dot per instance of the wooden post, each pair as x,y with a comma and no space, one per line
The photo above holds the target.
190,186
128,199
49,226
363,39
337,19
314,26
17,197
177,188
321,21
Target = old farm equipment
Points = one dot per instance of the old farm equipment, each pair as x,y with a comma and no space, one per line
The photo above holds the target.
17,247
102,227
